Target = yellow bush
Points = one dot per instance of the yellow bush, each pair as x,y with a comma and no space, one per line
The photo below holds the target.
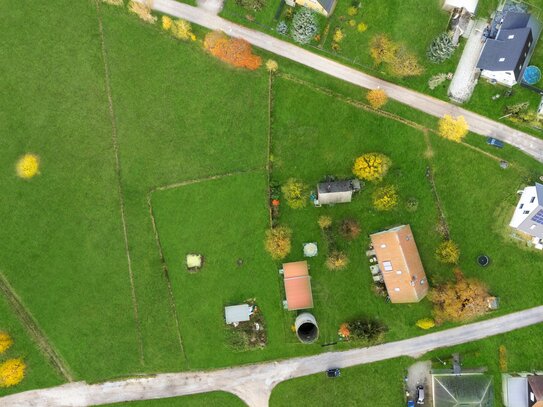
361,27
295,193
502,350
5,342
324,222
377,98
166,23
278,242
338,35
271,65
114,2
337,260
352,11
426,323
352,23
453,129
183,30
12,372
142,10
371,166
28,166
448,252
385,198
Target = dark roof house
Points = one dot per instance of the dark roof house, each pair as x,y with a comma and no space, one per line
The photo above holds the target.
510,42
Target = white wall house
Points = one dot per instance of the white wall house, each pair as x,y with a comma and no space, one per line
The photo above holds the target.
528,216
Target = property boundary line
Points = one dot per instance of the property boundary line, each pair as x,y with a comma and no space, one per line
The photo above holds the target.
34,331
120,191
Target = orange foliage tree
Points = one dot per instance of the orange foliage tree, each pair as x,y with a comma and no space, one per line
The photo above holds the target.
234,51
377,98
459,301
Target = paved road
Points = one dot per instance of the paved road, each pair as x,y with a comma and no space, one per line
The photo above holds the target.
435,107
254,383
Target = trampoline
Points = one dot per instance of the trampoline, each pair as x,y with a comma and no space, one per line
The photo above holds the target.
531,75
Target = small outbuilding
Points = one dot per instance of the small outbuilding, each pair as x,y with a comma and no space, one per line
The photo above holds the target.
297,285
333,192
468,5
237,313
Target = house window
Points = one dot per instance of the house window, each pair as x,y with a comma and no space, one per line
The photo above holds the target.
422,281
501,59
521,206
532,227
387,265
399,272
520,67
529,44
532,200
397,289
525,212
511,37
383,246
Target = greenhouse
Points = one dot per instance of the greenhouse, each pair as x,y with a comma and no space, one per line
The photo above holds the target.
463,390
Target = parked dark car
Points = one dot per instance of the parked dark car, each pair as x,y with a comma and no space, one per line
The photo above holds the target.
420,394
491,141
333,372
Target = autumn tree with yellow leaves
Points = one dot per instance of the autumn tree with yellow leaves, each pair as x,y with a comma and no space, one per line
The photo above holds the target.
385,198
448,252
459,301
12,372
296,193
5,342
453,129
371,166
377,98
278,242
142,10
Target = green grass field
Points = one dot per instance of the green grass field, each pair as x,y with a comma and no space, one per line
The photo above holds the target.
180,115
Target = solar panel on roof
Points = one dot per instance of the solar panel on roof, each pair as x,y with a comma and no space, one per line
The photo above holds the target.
538,217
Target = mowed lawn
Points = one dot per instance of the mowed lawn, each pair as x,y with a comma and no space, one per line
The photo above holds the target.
62,241
63,249
310,150
224,220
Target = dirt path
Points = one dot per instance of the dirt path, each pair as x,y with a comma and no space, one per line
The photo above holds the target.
33,330
254,383
478,124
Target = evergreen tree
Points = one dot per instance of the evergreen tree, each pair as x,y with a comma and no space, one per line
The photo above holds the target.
440,49
304,26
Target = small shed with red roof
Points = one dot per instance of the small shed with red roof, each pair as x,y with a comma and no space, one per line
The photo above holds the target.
297,285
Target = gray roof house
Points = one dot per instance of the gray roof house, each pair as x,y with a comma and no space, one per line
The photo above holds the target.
528,215
459,390
333,192
510,42
522,389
